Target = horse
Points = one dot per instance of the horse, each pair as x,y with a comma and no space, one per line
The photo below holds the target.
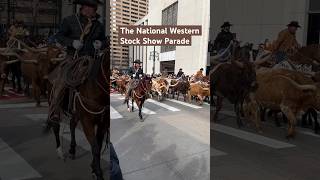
91,106
140,94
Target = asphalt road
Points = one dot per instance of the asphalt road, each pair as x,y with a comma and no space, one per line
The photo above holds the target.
172,143
245,154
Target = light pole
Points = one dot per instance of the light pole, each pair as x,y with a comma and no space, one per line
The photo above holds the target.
154,55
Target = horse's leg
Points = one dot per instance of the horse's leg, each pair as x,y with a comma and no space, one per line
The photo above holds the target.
56,130
73,144
218,108
36,92
132,104
89,131
139,103
100,134
236,109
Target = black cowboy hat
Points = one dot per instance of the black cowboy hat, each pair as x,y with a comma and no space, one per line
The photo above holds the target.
137,62
201,69
294,24
226,24
88,2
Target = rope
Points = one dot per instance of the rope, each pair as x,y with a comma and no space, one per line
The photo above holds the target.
77,96
135,94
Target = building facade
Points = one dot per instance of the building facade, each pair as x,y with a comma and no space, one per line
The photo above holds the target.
257,20
172,58
124,12
40,16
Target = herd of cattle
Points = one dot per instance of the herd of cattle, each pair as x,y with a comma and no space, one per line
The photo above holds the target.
254,85
35,65
258,85
169,87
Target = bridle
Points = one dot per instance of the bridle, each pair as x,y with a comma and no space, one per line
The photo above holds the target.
144,89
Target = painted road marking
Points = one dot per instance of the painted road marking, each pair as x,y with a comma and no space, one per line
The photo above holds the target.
65,133
251,137
185,104
13,166
170,108
114,114
144,110
20,105
214,152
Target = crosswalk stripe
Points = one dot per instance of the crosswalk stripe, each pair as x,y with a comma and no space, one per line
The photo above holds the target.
13,166
251,137
170,108
80,136
185,104
214,152
20,105
144,110
114,114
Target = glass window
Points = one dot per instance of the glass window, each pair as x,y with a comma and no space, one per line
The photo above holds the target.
170,17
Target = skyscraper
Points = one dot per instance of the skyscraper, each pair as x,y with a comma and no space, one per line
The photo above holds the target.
124,12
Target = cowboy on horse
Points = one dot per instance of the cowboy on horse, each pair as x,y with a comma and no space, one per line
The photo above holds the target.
135,73
83,75
83,34
224,38
286,43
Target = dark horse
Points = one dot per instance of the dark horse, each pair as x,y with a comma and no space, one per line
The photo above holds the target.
91,107
140,94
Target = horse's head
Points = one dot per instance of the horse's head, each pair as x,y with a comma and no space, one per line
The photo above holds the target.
147,82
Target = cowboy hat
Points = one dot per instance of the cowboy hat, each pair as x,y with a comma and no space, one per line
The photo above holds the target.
226,24
88,2
294,24
137,62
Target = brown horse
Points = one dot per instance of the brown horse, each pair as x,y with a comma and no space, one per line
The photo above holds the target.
140,94
91,107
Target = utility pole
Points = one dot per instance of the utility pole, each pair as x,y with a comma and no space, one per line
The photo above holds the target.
8,13
35,6
154,60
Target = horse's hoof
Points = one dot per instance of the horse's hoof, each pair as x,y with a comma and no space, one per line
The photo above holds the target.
72,156
61,154
129,110
141,120
95,177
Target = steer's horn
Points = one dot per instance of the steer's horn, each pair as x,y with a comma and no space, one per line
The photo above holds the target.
30,61
57,59
11,62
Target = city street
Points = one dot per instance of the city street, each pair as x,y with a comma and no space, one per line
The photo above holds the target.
245,154
172,143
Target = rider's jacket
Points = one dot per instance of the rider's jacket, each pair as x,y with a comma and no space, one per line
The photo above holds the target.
223,40
179,74
286,42
135,73
199,75
72,28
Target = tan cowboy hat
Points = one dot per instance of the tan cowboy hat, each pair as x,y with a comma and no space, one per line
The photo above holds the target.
88,2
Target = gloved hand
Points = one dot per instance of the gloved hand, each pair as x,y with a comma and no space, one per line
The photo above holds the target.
97,44
77,44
